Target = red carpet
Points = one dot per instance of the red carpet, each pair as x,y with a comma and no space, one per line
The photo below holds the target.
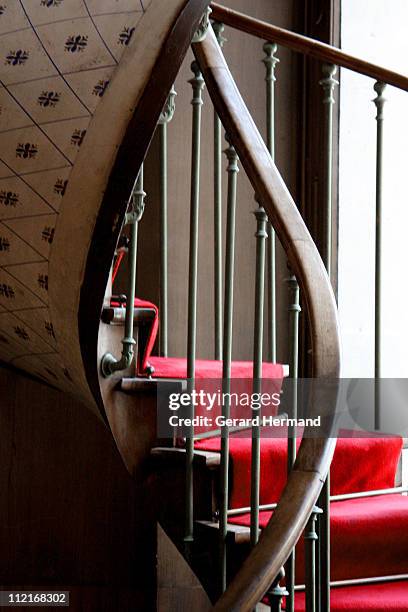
376,458
389,596
175,367
369,536
208,379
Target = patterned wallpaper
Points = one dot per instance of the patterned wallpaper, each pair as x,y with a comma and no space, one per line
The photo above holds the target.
56,59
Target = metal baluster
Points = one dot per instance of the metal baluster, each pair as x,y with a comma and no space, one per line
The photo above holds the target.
379,101
276,593
294,313
328,83
218,29
310,560
197,83
318,566
165,118
227,352
109,363
270,62
261,235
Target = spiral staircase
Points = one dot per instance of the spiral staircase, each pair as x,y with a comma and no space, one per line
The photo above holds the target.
84,85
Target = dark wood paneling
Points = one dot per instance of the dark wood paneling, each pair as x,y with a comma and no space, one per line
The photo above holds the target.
70,513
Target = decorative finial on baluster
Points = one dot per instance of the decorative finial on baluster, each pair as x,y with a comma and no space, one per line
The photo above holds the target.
270,60
380,99
276,593
261,219
219,28
137,201
197,83
328,82
201,31
232,156
169,107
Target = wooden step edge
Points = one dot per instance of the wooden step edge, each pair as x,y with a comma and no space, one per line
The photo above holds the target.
237,534
177,455
135,384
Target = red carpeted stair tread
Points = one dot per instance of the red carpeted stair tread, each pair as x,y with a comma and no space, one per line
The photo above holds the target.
369,537
175,367
359,464
383,597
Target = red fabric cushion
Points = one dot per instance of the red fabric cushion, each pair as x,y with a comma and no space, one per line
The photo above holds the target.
383,597
369,537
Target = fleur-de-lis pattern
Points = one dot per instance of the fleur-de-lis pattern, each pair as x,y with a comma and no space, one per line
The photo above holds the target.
60,187
21,333
27,150
9,198
125,36
49,328
4,244
43,281
7,291
48,234
100,88
17,58
49,98
76,44
77,137
56,61
50,3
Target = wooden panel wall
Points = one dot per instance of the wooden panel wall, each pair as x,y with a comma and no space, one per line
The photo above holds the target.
70,515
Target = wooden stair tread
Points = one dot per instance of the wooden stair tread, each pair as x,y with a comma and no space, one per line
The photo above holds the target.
236,534
135,384
177,455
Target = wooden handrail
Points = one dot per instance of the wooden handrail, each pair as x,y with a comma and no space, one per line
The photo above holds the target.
307,46
316,450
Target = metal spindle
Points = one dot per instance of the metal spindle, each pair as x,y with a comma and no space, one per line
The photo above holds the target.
218,29
270,62
294,313
328,83
109,363
197,83
165,117
310,557
261,235
227,353
379,101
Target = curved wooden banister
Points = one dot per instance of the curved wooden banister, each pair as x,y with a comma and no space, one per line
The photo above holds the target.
307,46
313,461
